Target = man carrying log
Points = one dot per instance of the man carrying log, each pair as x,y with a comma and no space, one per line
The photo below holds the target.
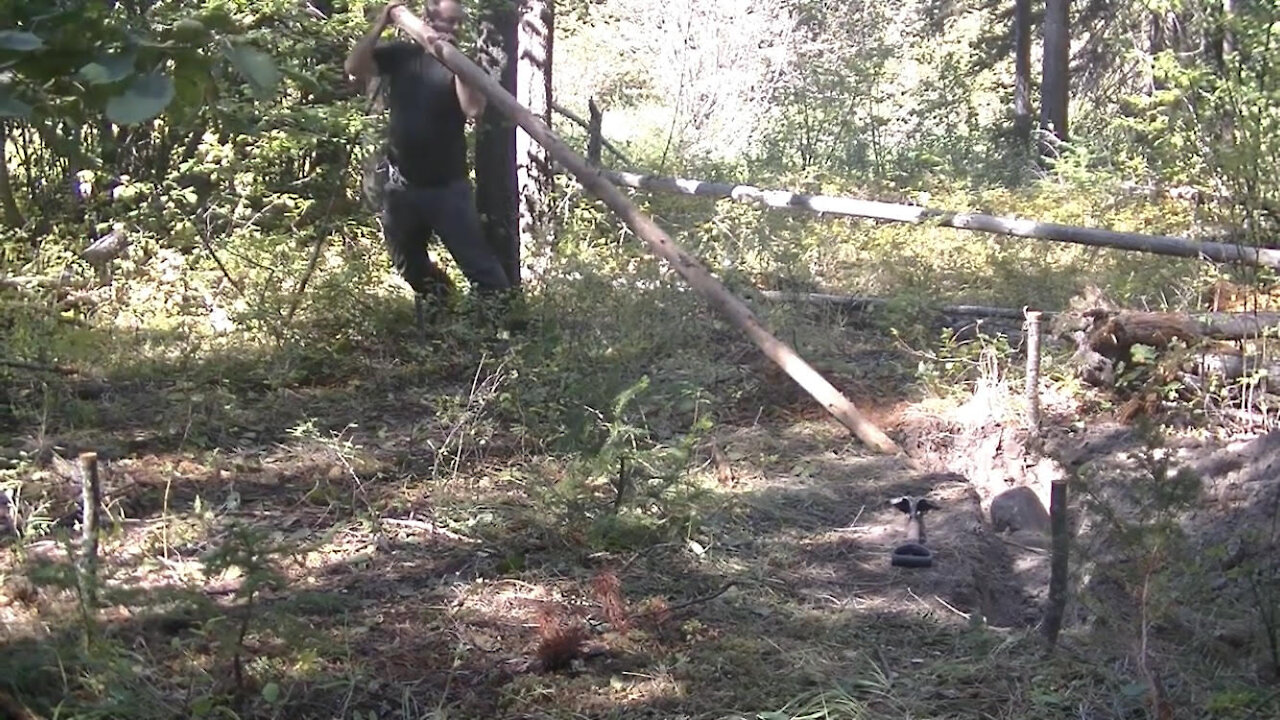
426,187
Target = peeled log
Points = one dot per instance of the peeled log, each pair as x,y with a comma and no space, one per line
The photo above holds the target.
1017,227
702,281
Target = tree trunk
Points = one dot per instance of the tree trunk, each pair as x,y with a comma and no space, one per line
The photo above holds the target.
495,159
1228,35
1022,71
1055,83
595,132
12,213
1220,39
534,175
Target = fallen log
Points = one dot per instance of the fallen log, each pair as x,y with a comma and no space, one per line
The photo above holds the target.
698,277
23,282
853,302
1237,326
893,212
1211,325
1105,339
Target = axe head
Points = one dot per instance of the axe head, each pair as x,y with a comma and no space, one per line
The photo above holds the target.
913,505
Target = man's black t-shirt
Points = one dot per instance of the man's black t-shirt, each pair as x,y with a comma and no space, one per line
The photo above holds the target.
428,144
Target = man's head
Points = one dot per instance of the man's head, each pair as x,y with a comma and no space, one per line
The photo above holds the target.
445,17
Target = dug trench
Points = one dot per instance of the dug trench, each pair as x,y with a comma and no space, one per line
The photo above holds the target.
1190,511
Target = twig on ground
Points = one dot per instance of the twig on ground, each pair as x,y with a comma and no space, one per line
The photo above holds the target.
690,603
431,528
627,565
38,367
1020,546
951,607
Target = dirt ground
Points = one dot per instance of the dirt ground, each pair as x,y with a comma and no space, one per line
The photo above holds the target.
422,575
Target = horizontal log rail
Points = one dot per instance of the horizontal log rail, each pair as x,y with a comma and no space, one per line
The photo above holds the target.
894,212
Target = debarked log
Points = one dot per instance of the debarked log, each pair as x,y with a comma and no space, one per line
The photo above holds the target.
895,212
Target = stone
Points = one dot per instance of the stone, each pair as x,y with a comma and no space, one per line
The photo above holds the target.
1019,509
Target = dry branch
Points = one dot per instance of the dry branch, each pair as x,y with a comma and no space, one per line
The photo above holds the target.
25,282
658,241
853,302
39,367
585,125
852,207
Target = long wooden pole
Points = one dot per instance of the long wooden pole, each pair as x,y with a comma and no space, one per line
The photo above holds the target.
852,207
658,241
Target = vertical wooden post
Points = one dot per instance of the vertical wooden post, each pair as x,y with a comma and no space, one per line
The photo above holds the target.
90,499
595,133
1060,565
1032,329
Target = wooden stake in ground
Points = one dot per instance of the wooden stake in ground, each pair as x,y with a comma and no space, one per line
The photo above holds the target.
90,499
1033,371
658,241
1059,565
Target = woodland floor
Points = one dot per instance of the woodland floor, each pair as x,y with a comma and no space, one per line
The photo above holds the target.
423,570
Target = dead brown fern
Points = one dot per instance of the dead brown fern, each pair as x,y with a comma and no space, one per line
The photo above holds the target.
561,640
608,592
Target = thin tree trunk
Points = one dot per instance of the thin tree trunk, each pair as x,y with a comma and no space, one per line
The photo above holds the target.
535,40
496,196
1228,36
1055,82
12,213
1022,71
1158,41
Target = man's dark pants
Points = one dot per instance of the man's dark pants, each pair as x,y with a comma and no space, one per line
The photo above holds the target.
410,213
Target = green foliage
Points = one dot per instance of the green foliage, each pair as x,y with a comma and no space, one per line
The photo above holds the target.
83,57
631,488
957,365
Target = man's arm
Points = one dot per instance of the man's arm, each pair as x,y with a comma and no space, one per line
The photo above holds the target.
360,64
472,100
